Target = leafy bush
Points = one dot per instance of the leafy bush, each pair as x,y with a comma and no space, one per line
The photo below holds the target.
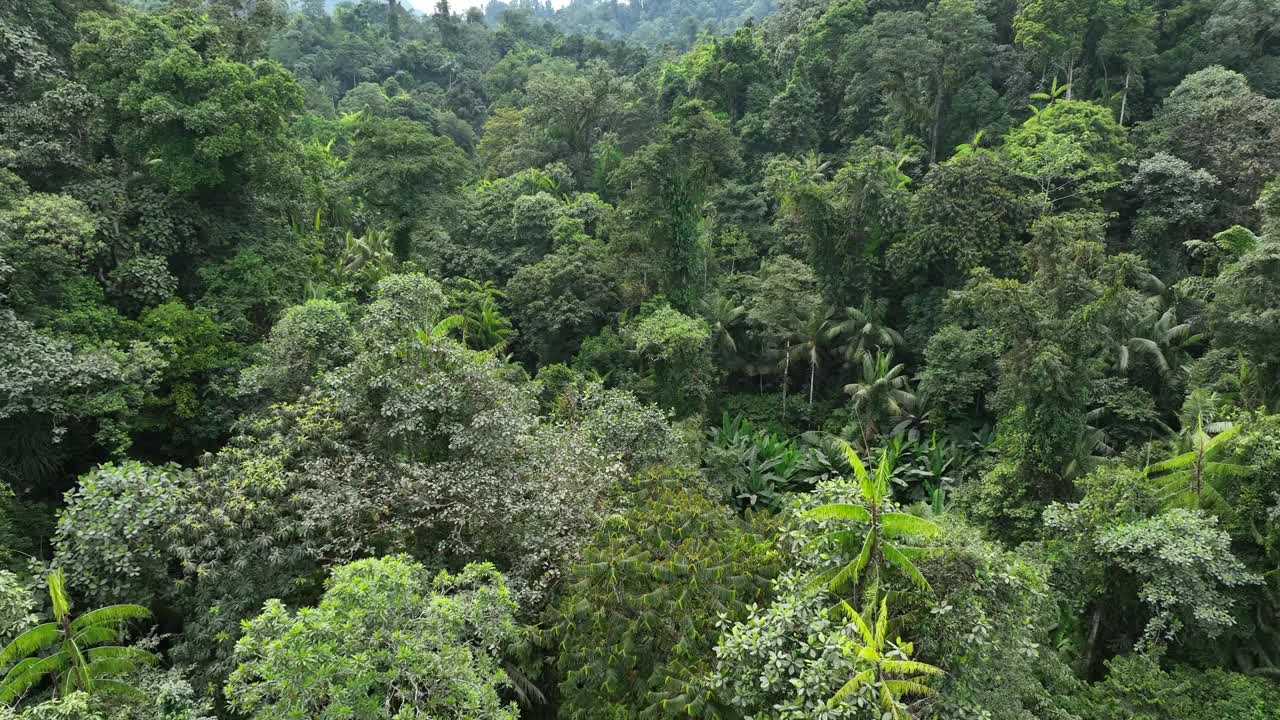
386,641
785,660
754,468
1136,688
640,612
112,536
305,342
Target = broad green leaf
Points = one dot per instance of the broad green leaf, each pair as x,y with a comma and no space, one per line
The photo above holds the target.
112,614
896,524
840,511
907,567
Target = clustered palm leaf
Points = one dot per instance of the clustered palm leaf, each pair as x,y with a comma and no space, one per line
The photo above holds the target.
723,314
806,338
1055,91
1193,479
485,327
73,653
881,391
884,536
1088,453
1160,338
812,169
370,253
865,330
889,671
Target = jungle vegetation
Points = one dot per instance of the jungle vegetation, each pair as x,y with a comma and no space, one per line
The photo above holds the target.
818,359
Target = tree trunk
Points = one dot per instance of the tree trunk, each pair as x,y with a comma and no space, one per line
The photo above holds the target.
786,373
813,369
1124,97
1071,75
936,130
1091,641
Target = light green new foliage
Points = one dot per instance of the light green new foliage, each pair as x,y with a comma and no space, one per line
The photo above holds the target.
386,642
74,654
882,540
888,669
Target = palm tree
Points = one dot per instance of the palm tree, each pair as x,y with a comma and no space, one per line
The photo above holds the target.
723,313
974,145
865,329
881,391
1161,339
805,339
889,671
1087,454
75,664
764,363
486,327
1054,93
881,536
812,169
1193,478
371,253
1243,387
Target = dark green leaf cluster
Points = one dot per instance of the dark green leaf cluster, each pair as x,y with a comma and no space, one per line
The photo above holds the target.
639,615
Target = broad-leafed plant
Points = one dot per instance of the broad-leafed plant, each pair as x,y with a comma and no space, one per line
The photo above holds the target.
74,654
886,537
888,671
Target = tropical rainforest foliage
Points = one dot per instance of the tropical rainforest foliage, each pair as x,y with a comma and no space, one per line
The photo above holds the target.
818,359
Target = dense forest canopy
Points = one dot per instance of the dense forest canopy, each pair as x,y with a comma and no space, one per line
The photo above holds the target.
844,359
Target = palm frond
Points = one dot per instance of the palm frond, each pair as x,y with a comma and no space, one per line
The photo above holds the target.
853,569
909,667
840,537
29,672
855,683
119,652
909,688
840,511
117,688
96,635
58,594
107,667
882,623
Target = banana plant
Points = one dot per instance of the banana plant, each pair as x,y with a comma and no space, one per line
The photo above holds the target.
73,653
888,672
883,535
754,466
931,466
1055,91
439,331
